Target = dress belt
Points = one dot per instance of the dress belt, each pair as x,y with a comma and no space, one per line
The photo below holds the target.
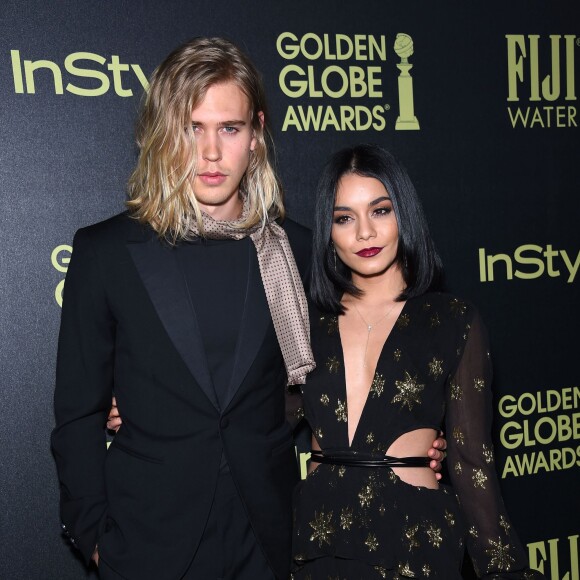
352,460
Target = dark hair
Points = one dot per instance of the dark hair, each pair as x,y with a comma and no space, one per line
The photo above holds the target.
416,255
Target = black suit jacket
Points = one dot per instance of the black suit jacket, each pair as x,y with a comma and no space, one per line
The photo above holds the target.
128,326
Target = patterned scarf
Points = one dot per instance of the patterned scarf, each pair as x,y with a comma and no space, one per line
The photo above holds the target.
282,284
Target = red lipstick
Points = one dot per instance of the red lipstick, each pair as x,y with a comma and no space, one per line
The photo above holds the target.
368,252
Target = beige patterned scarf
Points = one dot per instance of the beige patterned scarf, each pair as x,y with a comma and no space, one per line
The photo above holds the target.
283,287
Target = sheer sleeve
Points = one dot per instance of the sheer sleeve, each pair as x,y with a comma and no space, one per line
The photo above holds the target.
493,545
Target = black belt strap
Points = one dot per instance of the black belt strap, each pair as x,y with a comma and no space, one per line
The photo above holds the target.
351,460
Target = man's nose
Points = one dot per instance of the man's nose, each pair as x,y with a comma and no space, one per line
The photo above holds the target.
210,149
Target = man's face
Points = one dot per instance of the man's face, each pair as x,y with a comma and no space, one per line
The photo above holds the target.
224,139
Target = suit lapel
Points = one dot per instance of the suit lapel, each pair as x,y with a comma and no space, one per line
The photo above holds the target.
255,321
160,272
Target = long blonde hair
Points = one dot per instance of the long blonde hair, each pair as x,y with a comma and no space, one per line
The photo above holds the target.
160,188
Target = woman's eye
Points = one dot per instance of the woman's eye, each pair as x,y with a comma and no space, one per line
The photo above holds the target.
341,219
382,211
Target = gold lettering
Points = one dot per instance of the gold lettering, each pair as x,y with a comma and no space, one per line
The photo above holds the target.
510,440
326,87
311,55
374,82
304,457
17,71
549,254
570,84
521,259
30,67
329,119
573,543
58,292
551,90
537,555
291,120
342,41
60,262
70,66
117,68
507,408
295,88
492,259
572,268
378,115
360,47
515,63
534,68
287,51
140,76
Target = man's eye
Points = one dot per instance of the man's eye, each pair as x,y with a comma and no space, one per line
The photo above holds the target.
230,130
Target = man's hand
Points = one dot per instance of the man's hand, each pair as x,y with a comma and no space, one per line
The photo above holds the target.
437,454
114,422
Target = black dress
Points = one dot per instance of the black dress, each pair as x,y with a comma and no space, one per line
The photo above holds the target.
356,522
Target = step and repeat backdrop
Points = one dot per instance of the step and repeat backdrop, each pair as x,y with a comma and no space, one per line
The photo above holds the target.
479,100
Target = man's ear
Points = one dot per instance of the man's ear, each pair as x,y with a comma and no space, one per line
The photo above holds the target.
254,140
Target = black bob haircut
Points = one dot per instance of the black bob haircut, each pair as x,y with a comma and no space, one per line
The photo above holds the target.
416,254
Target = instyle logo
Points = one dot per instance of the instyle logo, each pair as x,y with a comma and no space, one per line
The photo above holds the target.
86,75
60,259
336,82
542,80
531,261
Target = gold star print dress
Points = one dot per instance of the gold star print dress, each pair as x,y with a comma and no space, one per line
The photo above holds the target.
354,522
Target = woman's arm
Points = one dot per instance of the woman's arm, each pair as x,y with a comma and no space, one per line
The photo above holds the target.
492,542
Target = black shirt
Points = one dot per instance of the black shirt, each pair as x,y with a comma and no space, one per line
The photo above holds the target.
216,274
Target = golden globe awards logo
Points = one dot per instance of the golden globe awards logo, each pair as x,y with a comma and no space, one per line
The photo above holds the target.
540,431
330,92
542,80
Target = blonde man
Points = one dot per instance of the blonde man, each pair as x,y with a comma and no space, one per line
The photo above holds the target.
190,308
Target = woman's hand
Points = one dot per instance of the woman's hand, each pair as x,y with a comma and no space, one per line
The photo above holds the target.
114,420
437,454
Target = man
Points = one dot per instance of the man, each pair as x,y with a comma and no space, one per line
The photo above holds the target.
190,308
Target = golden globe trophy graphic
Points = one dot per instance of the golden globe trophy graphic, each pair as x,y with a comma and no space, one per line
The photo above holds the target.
406,121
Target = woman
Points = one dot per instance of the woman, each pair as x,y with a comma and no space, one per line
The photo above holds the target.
396,361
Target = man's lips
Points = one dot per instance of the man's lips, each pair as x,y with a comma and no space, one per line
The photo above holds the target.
212,177
368,252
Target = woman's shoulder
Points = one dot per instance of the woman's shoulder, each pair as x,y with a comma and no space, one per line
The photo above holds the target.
443,312
446,303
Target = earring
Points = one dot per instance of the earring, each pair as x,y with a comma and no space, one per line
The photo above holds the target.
334,252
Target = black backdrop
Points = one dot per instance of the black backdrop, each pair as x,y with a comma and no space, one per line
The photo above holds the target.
495,160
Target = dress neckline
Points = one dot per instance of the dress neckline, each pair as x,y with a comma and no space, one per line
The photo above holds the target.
388,340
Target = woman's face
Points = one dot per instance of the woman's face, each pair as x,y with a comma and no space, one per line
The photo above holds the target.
364,228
